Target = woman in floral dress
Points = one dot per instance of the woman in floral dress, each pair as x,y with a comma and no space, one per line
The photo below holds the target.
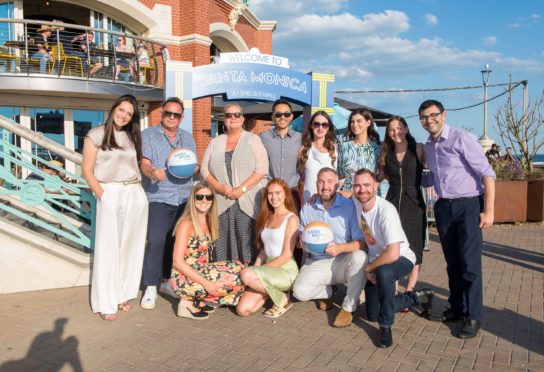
361,148
194,279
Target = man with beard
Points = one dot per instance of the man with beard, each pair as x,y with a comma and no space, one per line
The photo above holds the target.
389,255
343,259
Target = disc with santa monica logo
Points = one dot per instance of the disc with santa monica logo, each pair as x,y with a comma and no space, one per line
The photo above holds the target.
181,163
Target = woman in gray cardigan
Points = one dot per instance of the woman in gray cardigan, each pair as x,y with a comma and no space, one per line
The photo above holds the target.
235,164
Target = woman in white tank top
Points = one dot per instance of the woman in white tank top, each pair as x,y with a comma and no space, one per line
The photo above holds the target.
275,269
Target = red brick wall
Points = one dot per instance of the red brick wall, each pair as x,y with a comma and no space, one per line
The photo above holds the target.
194,17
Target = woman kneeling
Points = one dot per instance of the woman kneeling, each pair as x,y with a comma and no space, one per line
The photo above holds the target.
275,270
194,279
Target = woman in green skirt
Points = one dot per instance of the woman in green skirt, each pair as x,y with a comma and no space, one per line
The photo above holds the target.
275,269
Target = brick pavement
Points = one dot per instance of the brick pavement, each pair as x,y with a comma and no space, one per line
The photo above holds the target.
55,330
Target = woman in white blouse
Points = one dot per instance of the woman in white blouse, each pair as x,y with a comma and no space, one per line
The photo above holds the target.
111,154
318,151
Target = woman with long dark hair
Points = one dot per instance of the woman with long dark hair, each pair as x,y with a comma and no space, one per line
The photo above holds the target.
360,149
401,163
318,151
111,155
275,269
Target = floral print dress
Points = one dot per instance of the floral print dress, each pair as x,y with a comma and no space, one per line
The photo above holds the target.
226,273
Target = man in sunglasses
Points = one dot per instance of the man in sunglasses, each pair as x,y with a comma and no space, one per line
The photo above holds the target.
282,145
460,173
166,194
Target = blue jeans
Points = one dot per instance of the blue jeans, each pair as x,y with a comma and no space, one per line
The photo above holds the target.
160,243
381,301
43,58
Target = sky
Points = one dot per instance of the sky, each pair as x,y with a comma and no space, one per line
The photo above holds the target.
415,44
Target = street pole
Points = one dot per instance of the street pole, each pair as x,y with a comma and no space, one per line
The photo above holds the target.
485,141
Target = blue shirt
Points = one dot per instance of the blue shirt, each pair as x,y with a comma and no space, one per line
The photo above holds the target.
457,164
156,147
341,217
283,154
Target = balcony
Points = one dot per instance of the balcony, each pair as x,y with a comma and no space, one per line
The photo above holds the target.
53,56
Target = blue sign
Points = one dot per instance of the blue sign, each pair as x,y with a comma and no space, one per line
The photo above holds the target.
251,81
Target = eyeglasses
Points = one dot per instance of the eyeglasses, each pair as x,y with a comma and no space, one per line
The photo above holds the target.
200,197
284,114
317,125
433,116
230,115
176,115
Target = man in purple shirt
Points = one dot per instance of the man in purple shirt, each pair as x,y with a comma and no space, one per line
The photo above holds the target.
460,174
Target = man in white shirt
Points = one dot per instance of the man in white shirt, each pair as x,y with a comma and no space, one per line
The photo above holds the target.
389,255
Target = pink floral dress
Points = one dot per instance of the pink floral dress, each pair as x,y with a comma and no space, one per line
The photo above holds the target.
226,273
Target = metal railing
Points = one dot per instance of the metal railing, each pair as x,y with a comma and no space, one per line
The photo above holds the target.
62,50
49,200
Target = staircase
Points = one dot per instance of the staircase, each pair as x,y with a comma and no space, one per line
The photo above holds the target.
46,215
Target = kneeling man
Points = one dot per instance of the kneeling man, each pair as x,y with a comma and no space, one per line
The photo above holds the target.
390,258
343,260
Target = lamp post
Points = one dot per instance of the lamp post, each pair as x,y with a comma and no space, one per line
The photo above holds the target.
485,141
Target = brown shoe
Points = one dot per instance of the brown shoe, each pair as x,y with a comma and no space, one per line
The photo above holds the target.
343,319
325,304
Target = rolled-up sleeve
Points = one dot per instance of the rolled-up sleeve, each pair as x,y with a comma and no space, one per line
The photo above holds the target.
475,156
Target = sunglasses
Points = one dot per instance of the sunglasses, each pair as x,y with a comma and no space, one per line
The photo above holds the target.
284,114
176,115
317,125
200,197
230,115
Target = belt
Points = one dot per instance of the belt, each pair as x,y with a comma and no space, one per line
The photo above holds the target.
453,200
131,182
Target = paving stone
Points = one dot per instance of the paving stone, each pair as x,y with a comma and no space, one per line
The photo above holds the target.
511,338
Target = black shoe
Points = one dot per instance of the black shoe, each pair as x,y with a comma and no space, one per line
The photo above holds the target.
425,297
470,329
385,337
207,308
451,316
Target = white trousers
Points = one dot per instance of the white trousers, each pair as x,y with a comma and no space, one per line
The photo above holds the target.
121,226
316,277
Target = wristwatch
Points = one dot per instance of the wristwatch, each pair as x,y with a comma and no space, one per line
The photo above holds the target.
244,189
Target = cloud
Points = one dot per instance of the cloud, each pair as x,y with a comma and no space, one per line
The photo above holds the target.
489,40
525,21
431,19
373,48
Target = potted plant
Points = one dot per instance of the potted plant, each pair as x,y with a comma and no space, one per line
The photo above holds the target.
510,191
521,127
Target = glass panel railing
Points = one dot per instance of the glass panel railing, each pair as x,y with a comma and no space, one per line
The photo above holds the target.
60,50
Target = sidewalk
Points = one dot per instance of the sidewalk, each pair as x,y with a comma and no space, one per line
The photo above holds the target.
55,330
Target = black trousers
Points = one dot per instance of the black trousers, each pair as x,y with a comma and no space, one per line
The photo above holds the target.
160,242
458,221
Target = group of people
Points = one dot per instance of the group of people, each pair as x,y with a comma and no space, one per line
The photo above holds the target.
231,239
83,46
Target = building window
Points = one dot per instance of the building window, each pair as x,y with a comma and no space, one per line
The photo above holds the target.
85,120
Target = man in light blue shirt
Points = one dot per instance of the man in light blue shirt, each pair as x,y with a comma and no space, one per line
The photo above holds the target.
167,195
343,260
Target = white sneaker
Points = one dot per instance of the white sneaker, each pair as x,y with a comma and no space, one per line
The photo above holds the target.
149,298
167,289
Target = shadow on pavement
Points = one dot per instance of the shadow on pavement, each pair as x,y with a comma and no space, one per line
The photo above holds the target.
48,351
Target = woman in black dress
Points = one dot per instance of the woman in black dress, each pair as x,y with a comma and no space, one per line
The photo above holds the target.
401,163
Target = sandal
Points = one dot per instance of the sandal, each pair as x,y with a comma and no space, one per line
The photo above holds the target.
125,306
109,317
276,311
